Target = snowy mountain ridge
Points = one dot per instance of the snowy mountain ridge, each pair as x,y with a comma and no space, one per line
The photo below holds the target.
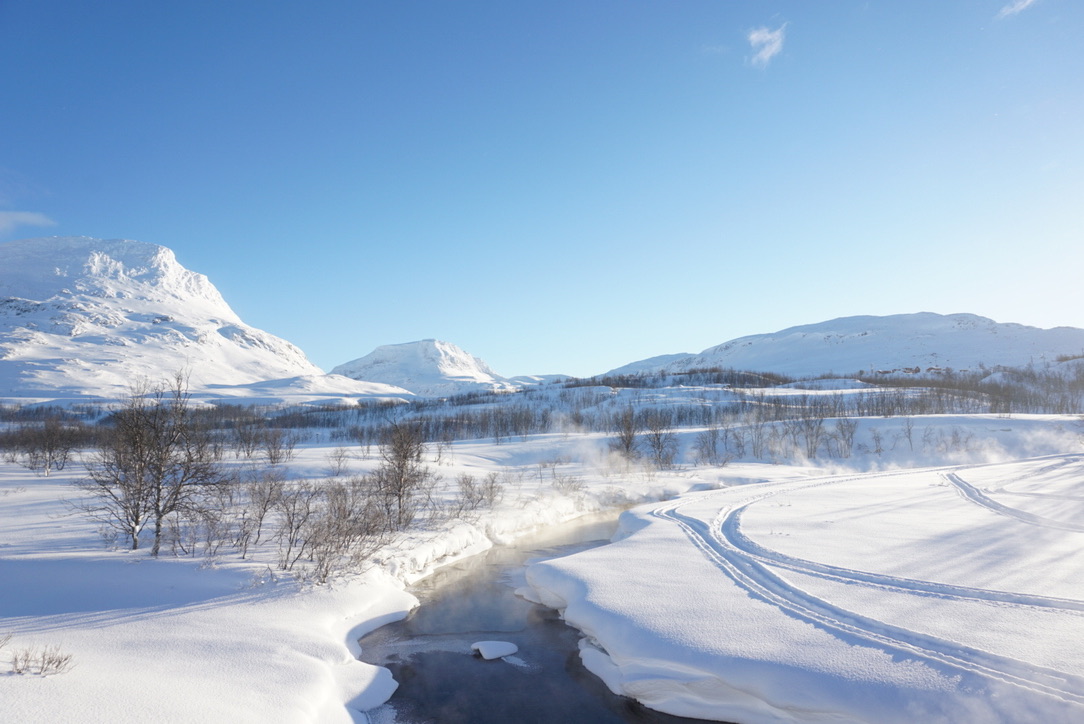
428,367
872,344
84,317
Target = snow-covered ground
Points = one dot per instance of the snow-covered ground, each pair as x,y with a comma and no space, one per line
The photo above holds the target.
950,594
778,592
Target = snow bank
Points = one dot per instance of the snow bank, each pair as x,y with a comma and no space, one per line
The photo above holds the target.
891,597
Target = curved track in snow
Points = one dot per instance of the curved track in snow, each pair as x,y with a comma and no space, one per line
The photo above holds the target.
973,494
750,565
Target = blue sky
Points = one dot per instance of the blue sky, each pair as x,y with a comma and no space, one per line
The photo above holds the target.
561,186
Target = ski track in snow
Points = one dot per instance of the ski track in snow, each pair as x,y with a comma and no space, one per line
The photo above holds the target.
974,495
747,564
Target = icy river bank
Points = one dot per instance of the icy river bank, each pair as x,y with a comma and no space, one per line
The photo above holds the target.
429,653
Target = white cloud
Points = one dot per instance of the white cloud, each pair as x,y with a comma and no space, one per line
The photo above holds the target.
767,44
1016,6
9,220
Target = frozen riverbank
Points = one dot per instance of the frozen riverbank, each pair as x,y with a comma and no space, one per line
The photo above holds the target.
939,595
440,679
221,638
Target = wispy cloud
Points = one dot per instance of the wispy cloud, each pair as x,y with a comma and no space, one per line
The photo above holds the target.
10,220
768,43
1016,6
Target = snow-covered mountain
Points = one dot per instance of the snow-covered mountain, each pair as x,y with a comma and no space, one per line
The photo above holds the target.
84,317
651,364
429,368
898,342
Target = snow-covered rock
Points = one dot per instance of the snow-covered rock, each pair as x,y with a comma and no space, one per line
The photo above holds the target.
429,367
490,650
897,343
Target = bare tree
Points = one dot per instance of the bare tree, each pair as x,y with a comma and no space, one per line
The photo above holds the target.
626,440
46,447
153,462
246,437
263,494
710,445
296,507
757,433
843,436
908,433
811,427
402,479
660,438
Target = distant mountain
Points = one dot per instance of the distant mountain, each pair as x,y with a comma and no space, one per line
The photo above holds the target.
83,317
429,368
651,364
898,342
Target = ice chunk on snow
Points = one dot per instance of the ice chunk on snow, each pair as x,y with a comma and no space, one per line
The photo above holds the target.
494,649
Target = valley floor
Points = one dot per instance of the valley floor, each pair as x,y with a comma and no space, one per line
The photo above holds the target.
938,583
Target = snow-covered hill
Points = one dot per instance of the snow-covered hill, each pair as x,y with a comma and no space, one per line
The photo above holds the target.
84,317
651,364
898,342
428,367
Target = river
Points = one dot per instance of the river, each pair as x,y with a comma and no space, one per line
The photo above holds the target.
440,681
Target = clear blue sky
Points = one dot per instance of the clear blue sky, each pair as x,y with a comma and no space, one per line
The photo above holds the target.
561,186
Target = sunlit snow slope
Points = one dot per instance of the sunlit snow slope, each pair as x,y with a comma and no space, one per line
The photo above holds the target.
897,342
84,317
935,595
429,367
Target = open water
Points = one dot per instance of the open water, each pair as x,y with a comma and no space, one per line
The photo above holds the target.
440,681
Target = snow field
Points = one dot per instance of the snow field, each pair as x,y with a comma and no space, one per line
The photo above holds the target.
224,639
869,598
679,605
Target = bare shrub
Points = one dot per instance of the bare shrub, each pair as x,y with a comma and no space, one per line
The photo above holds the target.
263,493
349,527
21,661
332,527
278,445
246,437
49,660
493,489
567,484
473,494
46,447
402,481
208,522
337,461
